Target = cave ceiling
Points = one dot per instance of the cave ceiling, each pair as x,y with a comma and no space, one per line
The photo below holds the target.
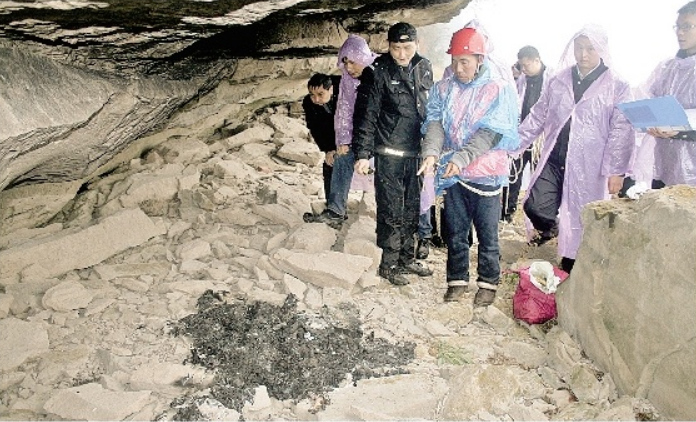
141,37
82,82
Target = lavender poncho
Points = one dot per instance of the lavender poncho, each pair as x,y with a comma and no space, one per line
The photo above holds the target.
355,48
601,141
673,161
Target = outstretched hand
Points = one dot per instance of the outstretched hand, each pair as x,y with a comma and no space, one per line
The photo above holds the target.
428,166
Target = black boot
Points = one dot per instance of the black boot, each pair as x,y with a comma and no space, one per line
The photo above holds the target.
567,264
395,275
423,249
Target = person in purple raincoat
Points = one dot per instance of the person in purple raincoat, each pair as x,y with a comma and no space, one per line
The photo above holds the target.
673,152
534,78
588,143
353,56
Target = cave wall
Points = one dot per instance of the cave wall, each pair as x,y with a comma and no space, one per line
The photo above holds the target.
80,88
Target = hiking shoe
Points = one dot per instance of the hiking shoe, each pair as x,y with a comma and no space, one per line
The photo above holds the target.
484,297
418,269
454,293
394,275
423,249
330,218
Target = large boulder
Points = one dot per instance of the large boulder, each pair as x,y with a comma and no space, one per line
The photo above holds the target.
631,297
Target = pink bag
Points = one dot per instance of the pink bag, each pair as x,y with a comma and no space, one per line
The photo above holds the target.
531,304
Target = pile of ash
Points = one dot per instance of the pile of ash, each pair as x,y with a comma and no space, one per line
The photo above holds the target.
294,354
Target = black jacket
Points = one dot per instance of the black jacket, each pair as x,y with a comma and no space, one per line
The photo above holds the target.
320,118
390,106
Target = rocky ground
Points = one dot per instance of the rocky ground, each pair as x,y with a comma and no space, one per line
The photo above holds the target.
184,285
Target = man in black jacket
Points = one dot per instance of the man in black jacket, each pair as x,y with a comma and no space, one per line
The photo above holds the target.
531,82
319,107
389,111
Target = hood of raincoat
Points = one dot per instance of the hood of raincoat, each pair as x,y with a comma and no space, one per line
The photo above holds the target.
598,36
355,48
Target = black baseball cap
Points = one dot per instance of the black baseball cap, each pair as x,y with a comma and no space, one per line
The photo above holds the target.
402,32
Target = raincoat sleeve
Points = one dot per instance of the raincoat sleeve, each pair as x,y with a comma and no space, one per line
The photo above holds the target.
621,141
482,141
432,127
434,139
343,119
533,124
367,109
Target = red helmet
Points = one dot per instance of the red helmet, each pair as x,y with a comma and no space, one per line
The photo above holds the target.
467,41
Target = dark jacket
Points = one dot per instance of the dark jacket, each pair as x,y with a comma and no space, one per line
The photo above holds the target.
320,118
532,92
390,106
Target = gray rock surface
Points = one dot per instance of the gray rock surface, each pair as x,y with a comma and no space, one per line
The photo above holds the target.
19,341
104,351
630,298
75,249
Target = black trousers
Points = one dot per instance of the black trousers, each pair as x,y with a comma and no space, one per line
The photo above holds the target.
544,200
327,172
397,194
511,193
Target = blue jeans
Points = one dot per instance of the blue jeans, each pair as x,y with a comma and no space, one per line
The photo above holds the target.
462,208
341,179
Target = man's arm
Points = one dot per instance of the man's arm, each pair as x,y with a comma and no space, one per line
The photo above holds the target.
310,118
481,142
686,135
533,125
621,142
366,114
432,129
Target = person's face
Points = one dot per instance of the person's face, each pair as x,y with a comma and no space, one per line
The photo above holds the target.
465,66
585,54
354,69
403,52
686,32
530,67
320,95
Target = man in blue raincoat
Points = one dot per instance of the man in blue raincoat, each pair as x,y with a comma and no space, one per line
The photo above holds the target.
471,125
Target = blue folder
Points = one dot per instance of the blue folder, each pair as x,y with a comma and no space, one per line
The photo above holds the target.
661,112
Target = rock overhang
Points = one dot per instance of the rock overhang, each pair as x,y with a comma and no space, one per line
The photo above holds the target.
134,37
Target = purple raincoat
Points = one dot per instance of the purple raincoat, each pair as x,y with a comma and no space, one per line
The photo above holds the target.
355,48
601,141
674,159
